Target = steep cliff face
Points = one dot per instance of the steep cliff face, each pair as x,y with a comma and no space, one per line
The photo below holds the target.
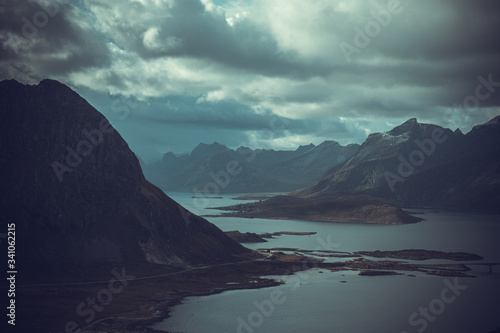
77,193
422,165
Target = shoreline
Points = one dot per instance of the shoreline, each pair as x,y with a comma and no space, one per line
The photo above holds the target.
151,296
288,264
352,221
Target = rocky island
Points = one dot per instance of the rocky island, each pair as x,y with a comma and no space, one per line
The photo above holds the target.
413,254
250,237
340,209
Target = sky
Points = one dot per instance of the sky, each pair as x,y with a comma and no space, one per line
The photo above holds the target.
272,74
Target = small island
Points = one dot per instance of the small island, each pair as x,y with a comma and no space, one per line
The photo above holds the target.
413,254
385,267
360,209
250,237
252,197
369,272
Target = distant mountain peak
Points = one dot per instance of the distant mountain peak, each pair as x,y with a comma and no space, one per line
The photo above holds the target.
204,149
305,148
256,170
213,144
169,156
45,82
405,127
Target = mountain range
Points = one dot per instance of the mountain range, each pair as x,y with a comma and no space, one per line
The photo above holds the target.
412,165
422,165
215,168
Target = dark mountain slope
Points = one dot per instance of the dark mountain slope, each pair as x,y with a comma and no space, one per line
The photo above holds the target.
77,193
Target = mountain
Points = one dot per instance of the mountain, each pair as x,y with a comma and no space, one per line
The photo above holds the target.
419,165
77,195
422,165
214,168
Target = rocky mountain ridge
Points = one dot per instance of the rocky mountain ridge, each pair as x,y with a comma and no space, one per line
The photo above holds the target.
259,170
422,165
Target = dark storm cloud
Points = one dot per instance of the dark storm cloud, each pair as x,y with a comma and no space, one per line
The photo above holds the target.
443,30
49,38
186,29
224,115
445,45
199,72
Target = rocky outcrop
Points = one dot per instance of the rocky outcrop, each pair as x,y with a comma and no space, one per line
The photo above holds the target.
77,194
245,237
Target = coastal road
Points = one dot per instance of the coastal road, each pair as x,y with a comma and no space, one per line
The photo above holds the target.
151,277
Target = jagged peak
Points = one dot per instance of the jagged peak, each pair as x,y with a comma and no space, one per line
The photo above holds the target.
169,156
46,82
305,147
10,82
405,127
213,144
244,148
42,83
203,148
328,143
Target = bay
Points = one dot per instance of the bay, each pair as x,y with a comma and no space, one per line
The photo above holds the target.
323,301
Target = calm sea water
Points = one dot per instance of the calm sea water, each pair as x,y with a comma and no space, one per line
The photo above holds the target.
323,301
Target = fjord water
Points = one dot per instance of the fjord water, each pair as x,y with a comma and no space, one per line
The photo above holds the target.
322,301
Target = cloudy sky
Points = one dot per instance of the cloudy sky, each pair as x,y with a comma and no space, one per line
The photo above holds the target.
170,74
